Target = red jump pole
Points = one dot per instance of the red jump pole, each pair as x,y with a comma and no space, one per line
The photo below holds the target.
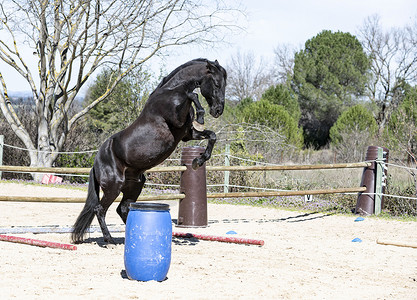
39,243
219,238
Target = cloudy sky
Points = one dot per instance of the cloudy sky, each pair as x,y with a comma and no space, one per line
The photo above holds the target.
273,22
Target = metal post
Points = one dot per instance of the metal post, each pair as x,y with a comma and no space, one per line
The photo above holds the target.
1,151
226,173
378,181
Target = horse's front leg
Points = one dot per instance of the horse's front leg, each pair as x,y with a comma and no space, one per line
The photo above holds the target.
199,121
131,191
201,135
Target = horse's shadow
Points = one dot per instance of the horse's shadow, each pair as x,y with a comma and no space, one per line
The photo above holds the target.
182,241
123,274
100,241
178,241
187,241
291,219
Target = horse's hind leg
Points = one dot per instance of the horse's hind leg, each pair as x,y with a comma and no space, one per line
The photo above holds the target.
131,191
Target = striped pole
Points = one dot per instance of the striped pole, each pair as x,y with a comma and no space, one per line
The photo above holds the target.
219,238
39,243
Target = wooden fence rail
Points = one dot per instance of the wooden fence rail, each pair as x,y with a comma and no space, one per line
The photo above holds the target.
183,168
182,196
82,199
286,193
76,170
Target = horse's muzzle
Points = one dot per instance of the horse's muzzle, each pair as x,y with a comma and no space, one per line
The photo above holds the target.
216,111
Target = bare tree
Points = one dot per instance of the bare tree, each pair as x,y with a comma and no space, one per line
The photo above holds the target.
284,62
72,39
394,62
247,77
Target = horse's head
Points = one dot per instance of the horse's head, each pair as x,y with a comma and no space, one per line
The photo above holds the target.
213,87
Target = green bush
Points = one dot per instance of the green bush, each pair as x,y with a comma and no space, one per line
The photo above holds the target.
355,119
352,133
275,116
282,95
401,131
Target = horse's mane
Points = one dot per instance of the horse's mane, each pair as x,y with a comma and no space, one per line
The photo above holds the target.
187,64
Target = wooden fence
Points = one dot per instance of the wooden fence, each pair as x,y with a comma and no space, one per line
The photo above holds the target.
183,168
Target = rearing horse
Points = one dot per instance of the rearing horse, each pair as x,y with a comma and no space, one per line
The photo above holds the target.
166,119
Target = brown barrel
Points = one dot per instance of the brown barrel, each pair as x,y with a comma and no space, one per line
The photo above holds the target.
365,204
192,211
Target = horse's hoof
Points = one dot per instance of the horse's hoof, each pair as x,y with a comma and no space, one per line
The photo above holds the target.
195,164
197,126
110,246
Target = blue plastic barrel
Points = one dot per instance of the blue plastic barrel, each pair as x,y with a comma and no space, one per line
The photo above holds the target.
148,241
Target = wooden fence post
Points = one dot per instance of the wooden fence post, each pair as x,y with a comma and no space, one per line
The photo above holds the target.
226,173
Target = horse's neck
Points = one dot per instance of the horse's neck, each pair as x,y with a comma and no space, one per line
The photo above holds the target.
183,76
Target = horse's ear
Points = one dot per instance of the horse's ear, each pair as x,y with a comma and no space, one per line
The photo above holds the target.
210,67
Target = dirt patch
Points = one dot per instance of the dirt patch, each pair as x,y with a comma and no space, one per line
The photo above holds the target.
304,256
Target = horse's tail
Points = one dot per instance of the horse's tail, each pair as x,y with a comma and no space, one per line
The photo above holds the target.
87,214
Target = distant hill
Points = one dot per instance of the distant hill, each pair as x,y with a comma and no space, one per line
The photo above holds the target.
27,96
20,94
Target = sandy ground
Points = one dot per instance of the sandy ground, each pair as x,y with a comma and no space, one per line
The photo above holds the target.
305,256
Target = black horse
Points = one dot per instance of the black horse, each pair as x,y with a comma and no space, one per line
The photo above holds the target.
166,119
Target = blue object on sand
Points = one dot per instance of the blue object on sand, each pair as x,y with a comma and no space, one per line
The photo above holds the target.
357,240
358,219
231,232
